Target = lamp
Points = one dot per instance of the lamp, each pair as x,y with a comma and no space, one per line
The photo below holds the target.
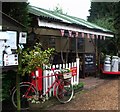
31,38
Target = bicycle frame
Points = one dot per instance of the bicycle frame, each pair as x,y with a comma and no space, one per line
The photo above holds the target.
30,92
56,83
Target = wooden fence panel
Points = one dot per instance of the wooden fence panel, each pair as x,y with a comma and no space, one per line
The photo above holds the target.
47,82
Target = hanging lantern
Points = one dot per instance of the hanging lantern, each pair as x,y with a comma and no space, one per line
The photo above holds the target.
31,40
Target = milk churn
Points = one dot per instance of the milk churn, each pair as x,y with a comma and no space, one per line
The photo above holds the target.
107,63
115,63
119,65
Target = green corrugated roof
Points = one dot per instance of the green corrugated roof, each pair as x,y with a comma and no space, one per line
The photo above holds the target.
64,18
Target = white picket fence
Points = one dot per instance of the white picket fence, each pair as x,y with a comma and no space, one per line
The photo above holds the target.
47,82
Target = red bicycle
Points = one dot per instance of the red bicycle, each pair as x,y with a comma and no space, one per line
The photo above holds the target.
63,90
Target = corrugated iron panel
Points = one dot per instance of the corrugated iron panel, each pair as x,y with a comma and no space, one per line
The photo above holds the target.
64,18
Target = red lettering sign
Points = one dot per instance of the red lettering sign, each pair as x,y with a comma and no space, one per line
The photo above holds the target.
74,71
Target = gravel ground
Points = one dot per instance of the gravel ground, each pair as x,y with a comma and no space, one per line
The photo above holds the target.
103,97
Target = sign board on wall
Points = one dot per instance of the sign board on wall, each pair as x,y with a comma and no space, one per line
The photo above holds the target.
89,62
74,71
12,41
10,59
10,37
22,37
8,41
3,35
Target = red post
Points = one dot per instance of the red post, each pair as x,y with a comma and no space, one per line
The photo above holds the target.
39,79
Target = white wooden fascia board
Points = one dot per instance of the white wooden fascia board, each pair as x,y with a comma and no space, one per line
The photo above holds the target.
72,28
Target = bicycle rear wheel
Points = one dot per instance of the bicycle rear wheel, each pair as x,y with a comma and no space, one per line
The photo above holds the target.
64,91
27,91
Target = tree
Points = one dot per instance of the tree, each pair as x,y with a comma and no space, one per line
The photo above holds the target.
117,26
31,59
58,9
18,11
104,14
101,9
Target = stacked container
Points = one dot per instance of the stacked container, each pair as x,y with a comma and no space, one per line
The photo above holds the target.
107,63
115,64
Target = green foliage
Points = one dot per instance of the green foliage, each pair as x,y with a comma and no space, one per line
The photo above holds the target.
7,83
80,85
101,10
107,15
31,59
106,22
18,11
66,70
116,41
102,14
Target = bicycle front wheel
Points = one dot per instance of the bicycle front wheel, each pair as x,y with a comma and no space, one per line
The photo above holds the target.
64,91
27,91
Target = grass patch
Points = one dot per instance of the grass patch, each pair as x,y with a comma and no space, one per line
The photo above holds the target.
78,87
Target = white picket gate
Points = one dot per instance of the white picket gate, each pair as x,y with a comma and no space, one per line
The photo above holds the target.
47,82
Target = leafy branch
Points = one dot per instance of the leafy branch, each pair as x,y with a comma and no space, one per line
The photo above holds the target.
33,59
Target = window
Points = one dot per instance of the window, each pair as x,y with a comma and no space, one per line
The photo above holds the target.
52,42
80,44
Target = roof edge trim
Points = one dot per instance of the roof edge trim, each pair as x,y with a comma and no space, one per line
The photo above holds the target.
72,28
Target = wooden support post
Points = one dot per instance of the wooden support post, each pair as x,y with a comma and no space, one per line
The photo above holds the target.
18,78
76,47
99,51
